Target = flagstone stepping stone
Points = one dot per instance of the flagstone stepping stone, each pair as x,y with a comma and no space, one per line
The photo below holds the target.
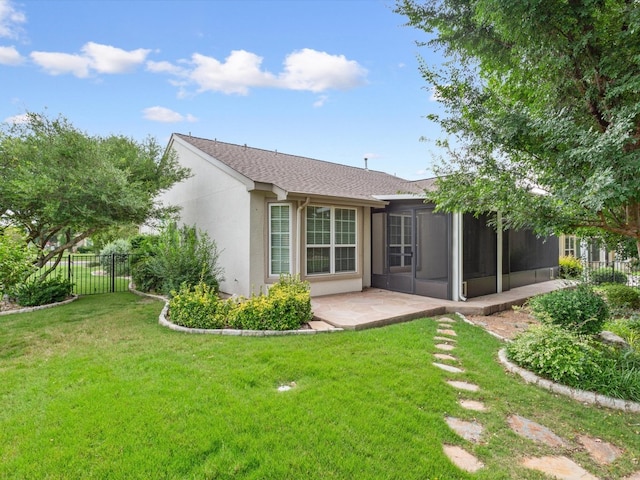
471,431
447,368
445,356
470,387
446,320
534,431
603,453
445,339
558,467
445,346
472,405
447,332
445,326
462,459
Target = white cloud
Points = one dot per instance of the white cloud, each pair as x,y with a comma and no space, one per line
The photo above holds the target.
17,119
94,58
60,63
10,56
239,72
165,115
305,69
10,20
322,99
316,71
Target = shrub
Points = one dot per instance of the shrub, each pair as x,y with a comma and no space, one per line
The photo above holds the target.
177,256
628,329
621,296
570,267
286,306
16,259
607,275
144,247
116,255
42,292
553,352
579,309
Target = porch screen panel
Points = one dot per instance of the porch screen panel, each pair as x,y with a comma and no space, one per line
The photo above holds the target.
480,244
280,239
318,240
433,246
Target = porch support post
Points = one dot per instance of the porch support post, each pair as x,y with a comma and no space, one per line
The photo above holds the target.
499,254
457,293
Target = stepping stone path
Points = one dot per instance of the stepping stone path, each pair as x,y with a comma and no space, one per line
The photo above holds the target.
559,467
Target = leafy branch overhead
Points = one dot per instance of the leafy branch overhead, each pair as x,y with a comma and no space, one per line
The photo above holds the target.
542,105
59,182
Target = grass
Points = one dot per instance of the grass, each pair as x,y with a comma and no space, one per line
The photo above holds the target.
97,389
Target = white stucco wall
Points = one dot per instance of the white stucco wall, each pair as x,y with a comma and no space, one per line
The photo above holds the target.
218,204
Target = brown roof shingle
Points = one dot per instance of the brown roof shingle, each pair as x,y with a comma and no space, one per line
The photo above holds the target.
303,175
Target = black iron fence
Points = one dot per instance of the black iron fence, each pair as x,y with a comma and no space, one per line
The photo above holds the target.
598,273
92,274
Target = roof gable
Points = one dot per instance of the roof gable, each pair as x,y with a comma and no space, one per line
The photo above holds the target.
302,175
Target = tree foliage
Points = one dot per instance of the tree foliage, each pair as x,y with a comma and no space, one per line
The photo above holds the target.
59,181
542,102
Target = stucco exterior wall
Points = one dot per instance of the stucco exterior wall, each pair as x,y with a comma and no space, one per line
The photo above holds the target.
220,205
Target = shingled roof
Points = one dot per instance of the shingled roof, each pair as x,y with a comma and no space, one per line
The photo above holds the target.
306,176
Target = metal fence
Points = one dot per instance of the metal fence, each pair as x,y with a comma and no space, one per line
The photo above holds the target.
611,272
92,274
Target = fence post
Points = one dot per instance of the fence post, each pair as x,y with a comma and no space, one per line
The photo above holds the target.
113,272
69,262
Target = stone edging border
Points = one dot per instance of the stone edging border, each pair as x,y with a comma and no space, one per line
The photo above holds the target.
162,320
40,307
582,396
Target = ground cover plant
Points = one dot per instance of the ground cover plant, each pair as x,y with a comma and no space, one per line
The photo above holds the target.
97,389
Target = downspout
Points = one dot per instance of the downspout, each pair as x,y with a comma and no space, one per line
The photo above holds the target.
299,235
460,258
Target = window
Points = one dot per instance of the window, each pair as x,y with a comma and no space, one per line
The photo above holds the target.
569,246
279,239
331,240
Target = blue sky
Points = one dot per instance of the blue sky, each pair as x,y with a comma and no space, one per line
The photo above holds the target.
335,80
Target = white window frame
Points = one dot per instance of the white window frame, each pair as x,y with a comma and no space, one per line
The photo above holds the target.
270,246
332,245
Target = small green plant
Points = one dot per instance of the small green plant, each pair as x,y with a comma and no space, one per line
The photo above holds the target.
579,309
16,259
628,329
621,296
607,275
570,267
553,352
42,292
197,307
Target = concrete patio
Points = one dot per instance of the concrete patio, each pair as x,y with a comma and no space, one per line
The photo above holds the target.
375,307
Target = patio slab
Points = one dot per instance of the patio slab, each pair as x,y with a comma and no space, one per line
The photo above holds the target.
374,307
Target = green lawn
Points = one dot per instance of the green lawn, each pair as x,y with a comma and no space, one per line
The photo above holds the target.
96,389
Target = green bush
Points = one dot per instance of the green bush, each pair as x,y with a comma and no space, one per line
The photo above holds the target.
570,267
579,309
116,255
286,306
144,247
621,296
607,275
577,361
628,329
553,352
42,292
176,256
16,259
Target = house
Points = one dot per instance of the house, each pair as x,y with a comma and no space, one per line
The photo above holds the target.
343,228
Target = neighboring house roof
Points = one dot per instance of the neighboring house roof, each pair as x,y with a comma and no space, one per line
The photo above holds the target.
307,176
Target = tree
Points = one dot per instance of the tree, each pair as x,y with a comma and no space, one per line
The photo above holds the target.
57,180
542,101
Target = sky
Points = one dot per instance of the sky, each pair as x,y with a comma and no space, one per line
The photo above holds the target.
334,80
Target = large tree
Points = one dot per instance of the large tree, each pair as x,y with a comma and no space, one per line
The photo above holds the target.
542,108
58,181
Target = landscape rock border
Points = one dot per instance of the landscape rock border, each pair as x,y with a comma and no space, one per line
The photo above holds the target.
582,396
40,307
162,320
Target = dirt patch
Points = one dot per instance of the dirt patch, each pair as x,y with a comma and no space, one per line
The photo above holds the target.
507,324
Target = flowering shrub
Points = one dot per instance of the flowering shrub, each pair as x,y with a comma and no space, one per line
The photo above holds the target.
570,267
286,306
